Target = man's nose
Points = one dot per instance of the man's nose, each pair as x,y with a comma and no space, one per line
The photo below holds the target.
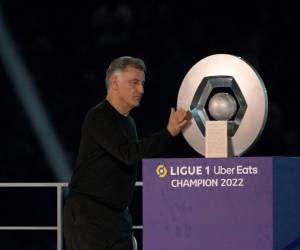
140,88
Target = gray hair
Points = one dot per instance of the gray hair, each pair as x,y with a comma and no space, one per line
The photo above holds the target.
121,63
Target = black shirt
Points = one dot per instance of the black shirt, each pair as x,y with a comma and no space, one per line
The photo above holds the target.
108,156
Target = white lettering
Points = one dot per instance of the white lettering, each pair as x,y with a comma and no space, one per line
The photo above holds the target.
220,170
181,183
186,170
246,170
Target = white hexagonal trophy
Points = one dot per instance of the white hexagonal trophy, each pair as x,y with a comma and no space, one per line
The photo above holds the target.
229,105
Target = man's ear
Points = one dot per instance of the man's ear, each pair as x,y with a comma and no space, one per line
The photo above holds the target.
114,82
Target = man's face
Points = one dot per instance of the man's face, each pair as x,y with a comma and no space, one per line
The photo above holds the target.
129,85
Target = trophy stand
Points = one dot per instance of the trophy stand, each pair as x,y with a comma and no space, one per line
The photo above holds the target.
222,201
221,107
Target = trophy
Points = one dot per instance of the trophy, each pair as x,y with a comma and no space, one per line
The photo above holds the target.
229,105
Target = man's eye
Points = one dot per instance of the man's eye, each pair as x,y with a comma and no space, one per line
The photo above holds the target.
137,83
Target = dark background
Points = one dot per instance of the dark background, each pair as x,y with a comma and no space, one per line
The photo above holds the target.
66,48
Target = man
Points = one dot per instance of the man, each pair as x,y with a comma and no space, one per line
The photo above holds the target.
96,213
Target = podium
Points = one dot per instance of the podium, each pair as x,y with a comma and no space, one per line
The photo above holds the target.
249,203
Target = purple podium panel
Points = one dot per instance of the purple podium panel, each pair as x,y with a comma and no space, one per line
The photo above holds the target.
209,204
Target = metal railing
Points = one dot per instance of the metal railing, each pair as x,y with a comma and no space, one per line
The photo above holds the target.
59,191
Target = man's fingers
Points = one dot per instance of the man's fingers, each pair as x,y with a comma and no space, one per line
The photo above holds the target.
182,114
178,120
172,111
183,123
188,116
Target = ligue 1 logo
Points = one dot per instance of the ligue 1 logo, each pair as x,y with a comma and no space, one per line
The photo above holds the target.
161,170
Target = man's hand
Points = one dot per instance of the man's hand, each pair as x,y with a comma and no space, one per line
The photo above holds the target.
177,120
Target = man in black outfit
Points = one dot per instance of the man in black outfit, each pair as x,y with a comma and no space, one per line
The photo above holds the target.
96,215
